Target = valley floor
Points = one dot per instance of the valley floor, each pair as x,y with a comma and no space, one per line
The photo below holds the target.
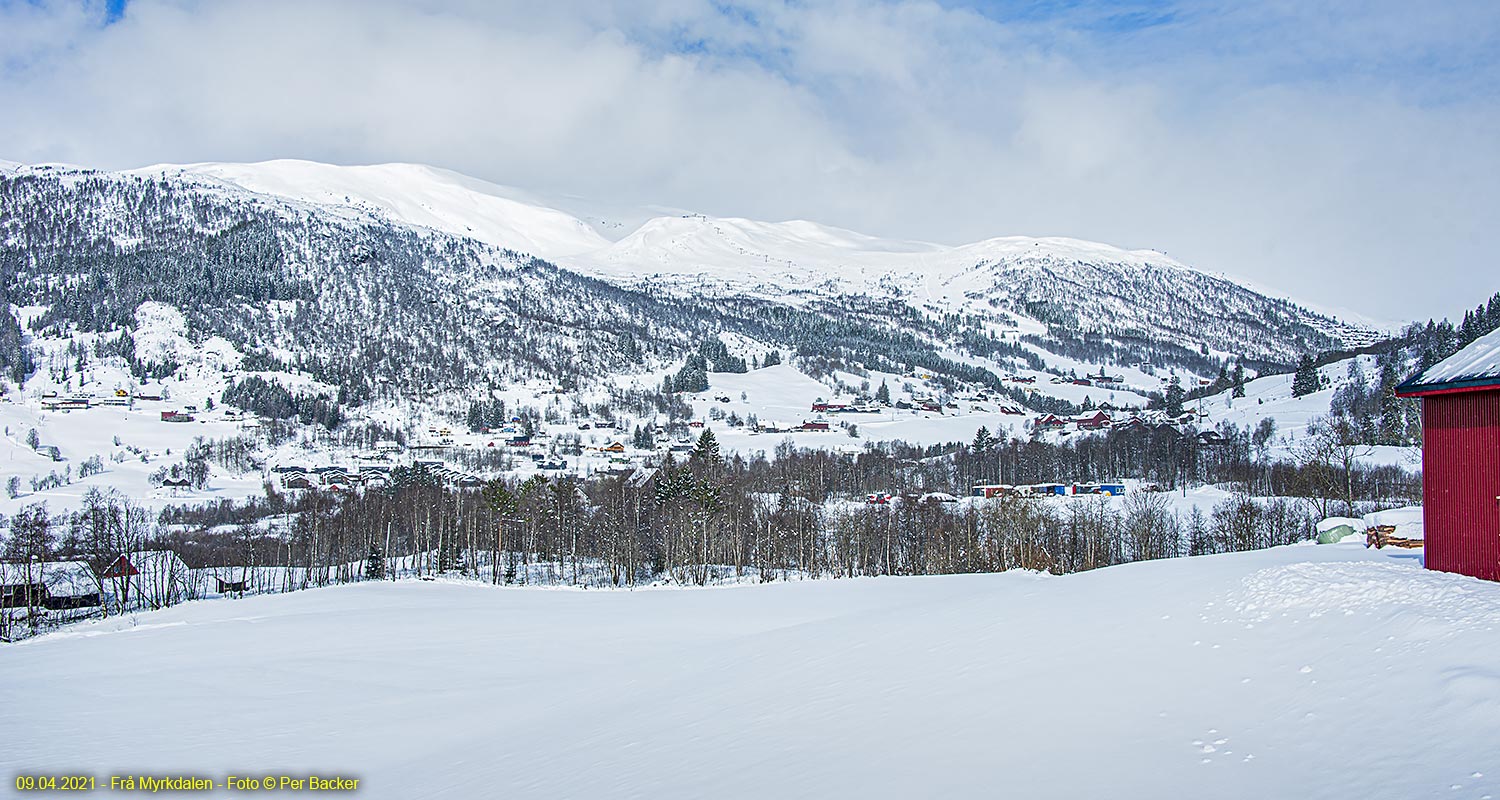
1304,671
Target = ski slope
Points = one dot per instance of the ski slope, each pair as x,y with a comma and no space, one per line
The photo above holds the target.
1311,672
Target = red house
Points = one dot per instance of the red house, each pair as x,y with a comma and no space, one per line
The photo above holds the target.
1092,422
1461,459
1049,422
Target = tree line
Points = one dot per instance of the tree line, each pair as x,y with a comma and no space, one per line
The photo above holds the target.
708,518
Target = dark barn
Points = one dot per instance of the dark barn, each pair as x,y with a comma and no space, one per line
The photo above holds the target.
1461,459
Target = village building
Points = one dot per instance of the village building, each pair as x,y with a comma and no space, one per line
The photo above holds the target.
1098,420
1049,422
147,579
1461,459
53,585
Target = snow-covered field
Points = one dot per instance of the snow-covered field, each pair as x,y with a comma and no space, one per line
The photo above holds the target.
82,434
1310,672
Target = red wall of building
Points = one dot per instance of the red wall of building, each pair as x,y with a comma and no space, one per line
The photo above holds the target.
1461,481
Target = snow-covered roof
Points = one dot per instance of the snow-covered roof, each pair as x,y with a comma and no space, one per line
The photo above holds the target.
62,578
1475,365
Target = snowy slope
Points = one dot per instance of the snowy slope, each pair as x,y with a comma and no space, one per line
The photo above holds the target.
794,253
416,194
369,240
131,441
1271,398
779,259
1310,672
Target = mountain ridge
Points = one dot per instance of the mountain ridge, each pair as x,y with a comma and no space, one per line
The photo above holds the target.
623,243
616,251
420,269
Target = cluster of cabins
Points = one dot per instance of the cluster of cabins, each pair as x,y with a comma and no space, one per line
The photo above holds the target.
886,498
447,475
1107,489
805,425
823,407
67,403
52,401
1108,381
927,404
337,478
332,477
993,490
1102,379
1101,419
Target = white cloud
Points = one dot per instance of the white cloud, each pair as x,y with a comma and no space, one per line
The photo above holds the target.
1265,141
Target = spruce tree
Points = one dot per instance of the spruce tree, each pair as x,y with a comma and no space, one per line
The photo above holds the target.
1174,398
707,451
1392,419
982,441
1305,382
375,564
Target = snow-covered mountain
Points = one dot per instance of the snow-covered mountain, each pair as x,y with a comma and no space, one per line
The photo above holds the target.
1083,287
410,279
410,193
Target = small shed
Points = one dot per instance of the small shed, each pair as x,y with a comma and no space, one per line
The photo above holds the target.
1461,458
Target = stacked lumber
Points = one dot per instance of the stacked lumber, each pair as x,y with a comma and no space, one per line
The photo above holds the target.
1378,536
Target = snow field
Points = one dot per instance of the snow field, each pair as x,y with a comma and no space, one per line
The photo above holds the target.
1316,672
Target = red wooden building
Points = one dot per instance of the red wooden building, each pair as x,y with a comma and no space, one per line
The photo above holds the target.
1461,459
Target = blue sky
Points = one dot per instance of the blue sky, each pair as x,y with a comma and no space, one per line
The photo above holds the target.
1327,151
1118,17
